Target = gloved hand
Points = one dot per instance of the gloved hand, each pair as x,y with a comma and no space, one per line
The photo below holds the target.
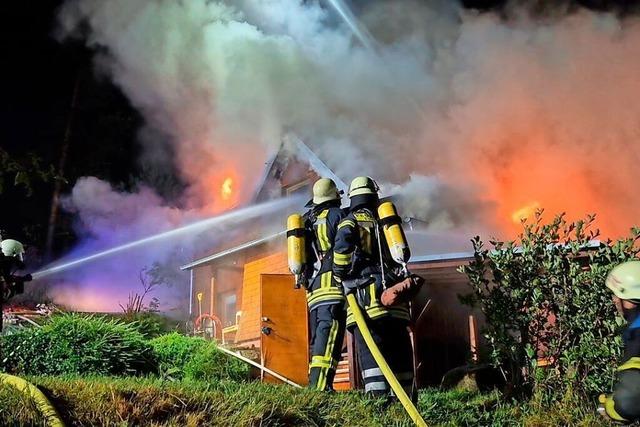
607,409
348,286
602,399
27,278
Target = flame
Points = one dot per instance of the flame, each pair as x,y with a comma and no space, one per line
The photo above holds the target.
525,212
227,188
535,174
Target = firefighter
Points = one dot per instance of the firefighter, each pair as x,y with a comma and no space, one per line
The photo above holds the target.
624,404
11,260
361,263
326,302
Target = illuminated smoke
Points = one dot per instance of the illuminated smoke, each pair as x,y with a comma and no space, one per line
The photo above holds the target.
512,111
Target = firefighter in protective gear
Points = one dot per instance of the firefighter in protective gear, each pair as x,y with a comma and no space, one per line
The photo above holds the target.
363,265
325,298
624,404
11,260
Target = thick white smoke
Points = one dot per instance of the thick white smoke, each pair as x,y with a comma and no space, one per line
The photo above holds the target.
473,116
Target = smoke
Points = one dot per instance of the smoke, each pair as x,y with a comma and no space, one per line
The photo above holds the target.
103,265
469,117
107,218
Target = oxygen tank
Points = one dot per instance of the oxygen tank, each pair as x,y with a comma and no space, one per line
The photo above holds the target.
296,245
394,234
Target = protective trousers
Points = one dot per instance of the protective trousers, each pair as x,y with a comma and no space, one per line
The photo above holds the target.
392,337
327,326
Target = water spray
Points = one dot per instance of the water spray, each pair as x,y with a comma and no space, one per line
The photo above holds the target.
369,42
359,30
199,226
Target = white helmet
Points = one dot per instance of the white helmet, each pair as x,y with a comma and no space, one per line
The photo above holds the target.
325,190
12,248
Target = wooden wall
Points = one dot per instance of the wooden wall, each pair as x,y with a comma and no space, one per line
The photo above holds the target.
442,332
249,325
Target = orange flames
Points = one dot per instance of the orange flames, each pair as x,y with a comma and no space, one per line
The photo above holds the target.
226,190
525,212
535,175
221,189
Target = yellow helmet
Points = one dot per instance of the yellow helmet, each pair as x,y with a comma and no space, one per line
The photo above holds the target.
325,190
363,185
624,280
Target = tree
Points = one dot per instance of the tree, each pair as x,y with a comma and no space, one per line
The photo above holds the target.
24,172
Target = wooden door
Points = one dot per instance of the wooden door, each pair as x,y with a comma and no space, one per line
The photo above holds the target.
283,338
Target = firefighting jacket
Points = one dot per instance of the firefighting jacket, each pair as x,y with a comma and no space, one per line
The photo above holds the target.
10,283
321,225
356,259
624,404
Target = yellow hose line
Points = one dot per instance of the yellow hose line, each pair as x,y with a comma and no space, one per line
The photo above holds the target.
382,363
44,406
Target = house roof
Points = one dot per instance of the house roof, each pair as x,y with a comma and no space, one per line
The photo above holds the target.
230,251
304,153
422,253
421,258
292,146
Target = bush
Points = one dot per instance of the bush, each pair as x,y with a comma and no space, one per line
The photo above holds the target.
78,344
173,351
194,358
149,324
545,298
210,364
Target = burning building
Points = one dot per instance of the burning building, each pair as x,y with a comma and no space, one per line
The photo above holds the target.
246,293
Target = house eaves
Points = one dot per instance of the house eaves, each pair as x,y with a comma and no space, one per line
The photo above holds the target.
304,153
230,251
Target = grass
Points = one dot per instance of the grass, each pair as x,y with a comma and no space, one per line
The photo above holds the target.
151,401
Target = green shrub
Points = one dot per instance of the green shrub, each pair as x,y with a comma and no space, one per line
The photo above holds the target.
210,364
149,324
194,358
544,297
78,344
173,351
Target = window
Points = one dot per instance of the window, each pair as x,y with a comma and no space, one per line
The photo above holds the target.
302,187
228,308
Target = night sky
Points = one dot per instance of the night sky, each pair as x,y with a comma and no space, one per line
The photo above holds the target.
40,76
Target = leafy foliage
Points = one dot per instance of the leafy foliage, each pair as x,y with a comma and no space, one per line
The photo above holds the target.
210,364
173,351
136,302
195,359
544,299
23,172
78,344
151,325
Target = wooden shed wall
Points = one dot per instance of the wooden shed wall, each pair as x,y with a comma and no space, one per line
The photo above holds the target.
442,332
249,325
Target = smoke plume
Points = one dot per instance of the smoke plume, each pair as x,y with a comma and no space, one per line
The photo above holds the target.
472,118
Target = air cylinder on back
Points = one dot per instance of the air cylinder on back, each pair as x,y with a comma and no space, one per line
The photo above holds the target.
295,244
393,233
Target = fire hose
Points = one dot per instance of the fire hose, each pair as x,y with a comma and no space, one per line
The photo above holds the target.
384,366
42,403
